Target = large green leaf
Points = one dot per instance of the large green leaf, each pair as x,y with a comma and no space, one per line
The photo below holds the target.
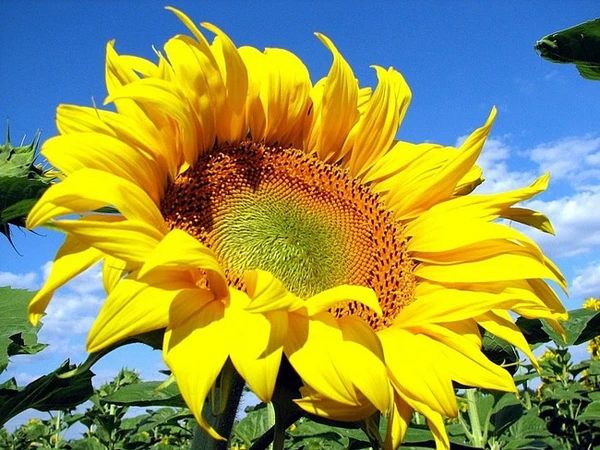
579,45
507,410
591,412
253,425
17,335
146,394
47,393
582,325
529,426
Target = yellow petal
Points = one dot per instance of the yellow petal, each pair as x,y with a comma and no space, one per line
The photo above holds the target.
345,293
469,182
378,126
361,355
80,119
341,360
233,71
257,348
512,266
311,346
196,351
113,270
197,73
72,258
190,26
445,304
130,240
180,251
315,403
487,206
440,186
142,136
529,217
335,111
462,358
435,420
119,74
89,189
137,306
285,96
140,65
255,62
398,422
97,151
436,424
170,107
388,172
268,293
457,240
415,369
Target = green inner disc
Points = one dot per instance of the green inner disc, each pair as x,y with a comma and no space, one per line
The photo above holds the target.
298,246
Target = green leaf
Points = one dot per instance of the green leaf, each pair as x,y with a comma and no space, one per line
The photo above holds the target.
507,410
527,444
253,425
582,325
533,331
591,412
89,443
594,368
17,335
163,417
499,351
579,45
146,394
529,426
47,393
594,396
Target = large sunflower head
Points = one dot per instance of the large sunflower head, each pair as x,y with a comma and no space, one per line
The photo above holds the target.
263,217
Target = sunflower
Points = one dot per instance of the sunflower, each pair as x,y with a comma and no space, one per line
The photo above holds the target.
263,218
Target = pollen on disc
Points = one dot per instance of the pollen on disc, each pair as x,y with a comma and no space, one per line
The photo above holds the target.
307,222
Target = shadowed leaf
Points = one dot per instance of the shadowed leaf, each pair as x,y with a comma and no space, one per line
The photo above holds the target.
579,45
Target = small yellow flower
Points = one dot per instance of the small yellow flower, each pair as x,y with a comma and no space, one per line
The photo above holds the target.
594,348
547,355
592,303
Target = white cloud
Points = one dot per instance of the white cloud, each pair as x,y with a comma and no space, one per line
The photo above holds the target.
70,314
576,159
85,283
23,378
575,221
19,280
587,282
494,162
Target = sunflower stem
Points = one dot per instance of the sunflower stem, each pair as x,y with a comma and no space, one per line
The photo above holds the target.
223,423
474,418
271,420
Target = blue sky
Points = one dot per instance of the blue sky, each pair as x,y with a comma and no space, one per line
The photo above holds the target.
459,58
